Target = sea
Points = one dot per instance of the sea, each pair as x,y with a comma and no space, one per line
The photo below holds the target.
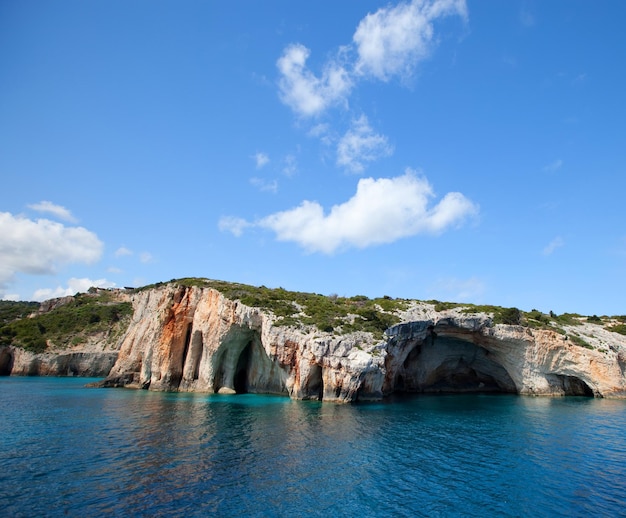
68,450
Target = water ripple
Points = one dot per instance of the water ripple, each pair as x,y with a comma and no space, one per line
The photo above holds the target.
73,451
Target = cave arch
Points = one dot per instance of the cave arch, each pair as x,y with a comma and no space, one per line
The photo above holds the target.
241,382
314,388
569,385
242,365
453,365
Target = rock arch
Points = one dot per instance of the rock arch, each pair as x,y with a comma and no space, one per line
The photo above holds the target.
451,364
241,379
569,385
314,385
241,365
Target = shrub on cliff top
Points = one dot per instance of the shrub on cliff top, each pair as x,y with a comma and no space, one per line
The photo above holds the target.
327,313
10,311
84,315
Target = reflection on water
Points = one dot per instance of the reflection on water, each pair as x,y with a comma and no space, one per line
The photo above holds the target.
74,451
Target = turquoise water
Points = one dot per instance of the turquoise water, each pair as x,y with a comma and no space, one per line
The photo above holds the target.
72,451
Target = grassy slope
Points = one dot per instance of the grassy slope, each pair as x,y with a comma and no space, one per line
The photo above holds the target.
69,324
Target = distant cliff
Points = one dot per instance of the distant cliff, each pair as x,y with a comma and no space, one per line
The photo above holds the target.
210,336
69,336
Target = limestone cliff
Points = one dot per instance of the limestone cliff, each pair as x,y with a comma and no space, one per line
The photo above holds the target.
196,339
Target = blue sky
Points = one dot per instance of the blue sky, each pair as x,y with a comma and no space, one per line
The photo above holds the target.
460,151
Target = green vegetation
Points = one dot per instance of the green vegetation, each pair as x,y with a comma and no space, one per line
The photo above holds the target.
618,328
10,311
359,313
510,316
579,341
70,323
328,313
100,311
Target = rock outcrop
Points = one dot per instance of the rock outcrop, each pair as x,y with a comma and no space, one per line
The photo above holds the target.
196,339
18,362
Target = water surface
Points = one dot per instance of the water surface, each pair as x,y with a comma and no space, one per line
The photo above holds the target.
72,451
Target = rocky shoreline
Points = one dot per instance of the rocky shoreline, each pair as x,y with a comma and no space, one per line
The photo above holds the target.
195,339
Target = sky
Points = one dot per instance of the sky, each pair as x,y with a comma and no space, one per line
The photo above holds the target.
467,151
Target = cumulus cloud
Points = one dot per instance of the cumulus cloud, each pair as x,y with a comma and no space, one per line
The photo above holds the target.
304,92
389,42
393,40
557,242
382,211
42,246
123,251
56,210
74,286
360,145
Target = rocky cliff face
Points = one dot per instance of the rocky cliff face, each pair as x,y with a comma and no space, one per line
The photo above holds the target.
196,339
18,362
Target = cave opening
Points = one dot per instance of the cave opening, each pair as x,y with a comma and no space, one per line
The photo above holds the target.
240,379
6,363
458,376
570,385
315,384
452,365
187,343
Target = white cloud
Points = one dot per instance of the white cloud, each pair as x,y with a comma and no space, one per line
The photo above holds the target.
122,251
382,211
393,40
389,42
56,210
261,159
234,225
554,166
359,145
557,242
306,94
74,286
319,130
42,246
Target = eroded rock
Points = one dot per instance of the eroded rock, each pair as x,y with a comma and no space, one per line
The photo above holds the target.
195,339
